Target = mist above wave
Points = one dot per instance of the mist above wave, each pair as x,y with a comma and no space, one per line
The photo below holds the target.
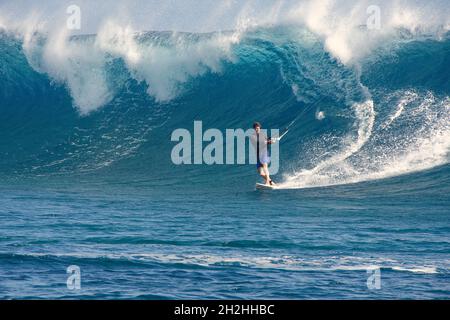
165,65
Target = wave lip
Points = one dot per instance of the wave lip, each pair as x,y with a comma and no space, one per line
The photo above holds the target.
86,65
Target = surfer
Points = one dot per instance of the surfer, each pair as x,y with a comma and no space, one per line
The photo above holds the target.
260,142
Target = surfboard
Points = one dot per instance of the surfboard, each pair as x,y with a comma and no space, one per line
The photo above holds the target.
265,186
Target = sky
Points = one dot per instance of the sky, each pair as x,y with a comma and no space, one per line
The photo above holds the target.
181,15
203,15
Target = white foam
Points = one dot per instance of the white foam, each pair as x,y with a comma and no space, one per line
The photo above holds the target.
80,64
165,67
321,174
343,24
428,270
408,98
282,262
76,64
425,145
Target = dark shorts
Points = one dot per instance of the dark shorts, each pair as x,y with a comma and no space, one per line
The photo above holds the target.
262,160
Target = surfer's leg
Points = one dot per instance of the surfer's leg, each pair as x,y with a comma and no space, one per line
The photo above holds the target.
266,175
262,173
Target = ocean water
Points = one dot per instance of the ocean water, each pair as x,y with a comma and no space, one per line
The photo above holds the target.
86,176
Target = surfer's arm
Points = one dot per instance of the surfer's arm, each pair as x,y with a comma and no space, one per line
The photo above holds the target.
271,141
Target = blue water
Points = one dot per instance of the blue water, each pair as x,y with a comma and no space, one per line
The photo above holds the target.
366,186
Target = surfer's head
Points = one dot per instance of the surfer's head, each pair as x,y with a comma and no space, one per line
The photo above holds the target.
257,126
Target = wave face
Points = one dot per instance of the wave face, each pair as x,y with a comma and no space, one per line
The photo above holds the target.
73,105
